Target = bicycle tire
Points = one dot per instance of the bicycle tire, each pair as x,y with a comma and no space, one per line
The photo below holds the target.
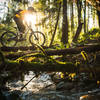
8,39
39,35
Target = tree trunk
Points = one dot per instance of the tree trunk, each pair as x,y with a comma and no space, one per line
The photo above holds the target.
85,16
88,17
77,32
98,14
55,25
72,18
79,7
88,49
64,38
96,4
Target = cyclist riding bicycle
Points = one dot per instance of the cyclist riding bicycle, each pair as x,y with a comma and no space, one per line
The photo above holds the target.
24,20
19,18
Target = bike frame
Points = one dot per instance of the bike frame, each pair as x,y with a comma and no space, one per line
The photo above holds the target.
26,32
30,29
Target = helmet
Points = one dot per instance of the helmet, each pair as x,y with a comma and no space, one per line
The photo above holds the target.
31,9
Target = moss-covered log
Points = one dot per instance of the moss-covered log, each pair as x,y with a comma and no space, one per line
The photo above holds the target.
15,49
87,49
35,66
48,67
21,48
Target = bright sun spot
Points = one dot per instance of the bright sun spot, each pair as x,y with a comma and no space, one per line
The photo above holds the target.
30,19
33,20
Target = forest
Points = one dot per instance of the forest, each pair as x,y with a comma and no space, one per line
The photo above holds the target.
58,49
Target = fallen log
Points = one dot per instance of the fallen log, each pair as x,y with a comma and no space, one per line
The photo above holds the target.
15,49
87,49
21,48
38,67
47,67
17,67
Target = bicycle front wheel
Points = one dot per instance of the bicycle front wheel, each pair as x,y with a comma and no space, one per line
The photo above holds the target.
8,39
37,38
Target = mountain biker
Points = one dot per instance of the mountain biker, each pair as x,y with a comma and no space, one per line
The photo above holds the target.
19,18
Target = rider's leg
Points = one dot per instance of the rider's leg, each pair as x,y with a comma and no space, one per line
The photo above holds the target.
21,34
20,25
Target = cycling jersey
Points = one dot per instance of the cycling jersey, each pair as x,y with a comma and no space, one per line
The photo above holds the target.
21,14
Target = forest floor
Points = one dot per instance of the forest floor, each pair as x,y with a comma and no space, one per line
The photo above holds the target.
51,84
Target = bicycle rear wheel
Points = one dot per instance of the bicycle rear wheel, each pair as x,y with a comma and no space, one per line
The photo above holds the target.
8,39
37,38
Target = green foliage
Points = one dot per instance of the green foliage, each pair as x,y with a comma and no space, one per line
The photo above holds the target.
6,27
50,9
7,19
94,33
13,5
21,1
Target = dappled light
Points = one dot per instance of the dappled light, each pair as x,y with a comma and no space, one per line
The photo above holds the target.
49,50
30,19
34,20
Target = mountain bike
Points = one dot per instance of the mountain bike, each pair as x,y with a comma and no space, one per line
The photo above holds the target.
10,38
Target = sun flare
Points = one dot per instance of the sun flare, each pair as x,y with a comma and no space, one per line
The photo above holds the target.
30,19
33,20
